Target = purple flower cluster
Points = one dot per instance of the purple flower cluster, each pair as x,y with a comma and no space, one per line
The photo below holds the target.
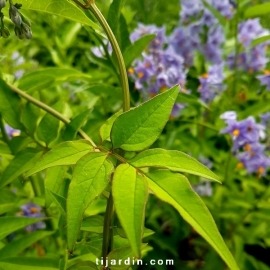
32,210
246,135
160,68
211,83
197,22
253,58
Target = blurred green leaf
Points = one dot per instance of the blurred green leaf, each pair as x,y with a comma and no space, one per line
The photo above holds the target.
21,163
257,10
135,50
175,189
86,265
9,105
106,128
173,160
93,224
63,8
147,120
59,201
90,177
9,225
29,263
19,245
75,124
42,79
67,153
130,206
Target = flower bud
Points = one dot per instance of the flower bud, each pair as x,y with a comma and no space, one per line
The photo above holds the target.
26,31
18,32
25,20
14,15
5,32
2,3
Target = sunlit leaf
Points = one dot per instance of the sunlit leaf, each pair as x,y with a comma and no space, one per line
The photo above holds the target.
138,128
130,206
175,189
90,177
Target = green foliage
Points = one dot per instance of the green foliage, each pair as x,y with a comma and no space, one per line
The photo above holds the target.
147,120
130,206
90,177
172,160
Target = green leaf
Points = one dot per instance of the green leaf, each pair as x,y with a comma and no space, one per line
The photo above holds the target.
86,265
93,224
175,189
106,128
61,8
90,177
138,128
6,207
75,124
29,263
124,255
9,225
172,160
67,153
41,79
48,128
59,201
21,163
190,99
30,117
257,10
124,41
130,193
135,50
114,18
19,245
53,182
260,40
9,105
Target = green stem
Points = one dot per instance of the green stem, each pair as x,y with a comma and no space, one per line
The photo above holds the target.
3,131
49,110
120,60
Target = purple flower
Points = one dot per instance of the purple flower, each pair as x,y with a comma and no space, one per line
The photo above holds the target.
229,115
12,132
225,7
255,162
211,83
32,210
265,119
177,108
142,30
190,9
205,161
250,30
203,189
265,79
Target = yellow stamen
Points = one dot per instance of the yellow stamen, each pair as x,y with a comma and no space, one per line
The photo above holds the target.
163,88
15,134
240,165
33,210
140,74
199,88
131,71
267,72
236,133
260,171
205,75
147,64
247,147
